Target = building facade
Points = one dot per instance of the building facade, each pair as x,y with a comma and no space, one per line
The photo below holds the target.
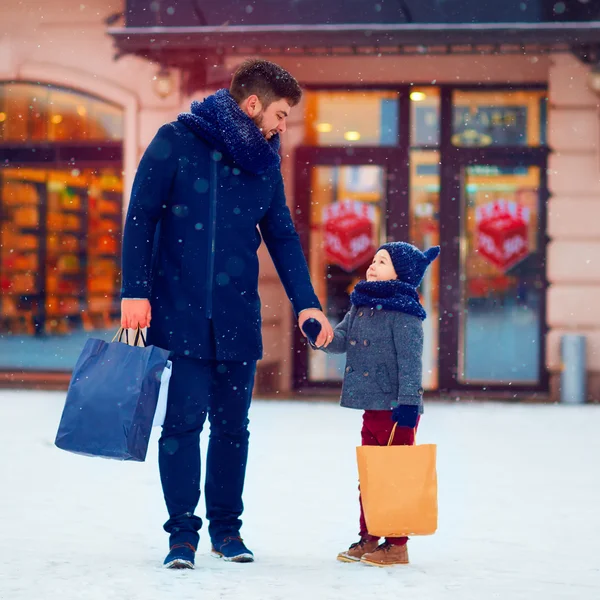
432,132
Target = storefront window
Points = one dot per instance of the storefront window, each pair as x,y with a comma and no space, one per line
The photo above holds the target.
30,112
499,118
347,203
59,263
500,331
60,229
355,118
480,118
424,232
493,335
425,117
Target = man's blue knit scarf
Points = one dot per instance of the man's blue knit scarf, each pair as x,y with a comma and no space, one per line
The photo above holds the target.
226,127
388,295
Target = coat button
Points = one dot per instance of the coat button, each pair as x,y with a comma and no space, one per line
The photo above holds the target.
348,369
372,312
421,391
366,374
361,313
366,342
353,342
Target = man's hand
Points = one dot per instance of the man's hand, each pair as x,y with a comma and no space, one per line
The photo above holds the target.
135,313
326,334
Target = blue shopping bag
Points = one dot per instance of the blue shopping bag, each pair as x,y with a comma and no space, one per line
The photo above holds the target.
112,399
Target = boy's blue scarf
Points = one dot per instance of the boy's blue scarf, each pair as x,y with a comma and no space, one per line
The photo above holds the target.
224,125
388,295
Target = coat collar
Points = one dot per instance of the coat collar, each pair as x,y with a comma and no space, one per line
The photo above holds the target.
223,124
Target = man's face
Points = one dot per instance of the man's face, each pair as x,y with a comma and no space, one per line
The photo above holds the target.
271,120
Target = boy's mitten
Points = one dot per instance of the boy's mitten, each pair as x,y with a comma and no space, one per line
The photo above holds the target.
312,328
406,415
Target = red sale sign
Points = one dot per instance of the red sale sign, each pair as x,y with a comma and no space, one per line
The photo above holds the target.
348,227
503,233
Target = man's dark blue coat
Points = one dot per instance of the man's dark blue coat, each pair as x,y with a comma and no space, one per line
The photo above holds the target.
204,188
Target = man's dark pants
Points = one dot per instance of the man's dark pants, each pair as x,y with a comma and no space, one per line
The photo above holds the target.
223,391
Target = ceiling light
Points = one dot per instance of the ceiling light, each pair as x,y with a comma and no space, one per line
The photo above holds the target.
418,96
163,82
594,79
324,127
352,136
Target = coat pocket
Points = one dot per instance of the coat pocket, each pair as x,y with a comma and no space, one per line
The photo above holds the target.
383,378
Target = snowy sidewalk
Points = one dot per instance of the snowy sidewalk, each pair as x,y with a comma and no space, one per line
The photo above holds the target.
519,511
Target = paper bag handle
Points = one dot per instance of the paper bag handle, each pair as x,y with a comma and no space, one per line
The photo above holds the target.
394,431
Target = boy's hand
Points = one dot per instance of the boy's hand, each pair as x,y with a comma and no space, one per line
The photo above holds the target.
324,338
311,329
135,313
406,415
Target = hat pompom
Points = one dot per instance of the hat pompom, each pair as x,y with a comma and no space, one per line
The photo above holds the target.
432,253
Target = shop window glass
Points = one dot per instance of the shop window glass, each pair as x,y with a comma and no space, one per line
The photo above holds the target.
347,204
499,118
60,230
38,113
502,284
59,263
425,117
356,118
424,232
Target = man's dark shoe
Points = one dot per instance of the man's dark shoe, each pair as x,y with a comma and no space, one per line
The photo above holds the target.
181,556
232,549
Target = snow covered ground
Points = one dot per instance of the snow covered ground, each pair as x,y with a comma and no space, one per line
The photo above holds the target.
519,510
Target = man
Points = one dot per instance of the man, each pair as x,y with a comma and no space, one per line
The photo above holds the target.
205,186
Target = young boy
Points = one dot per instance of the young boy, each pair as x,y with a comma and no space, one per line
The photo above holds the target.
382,335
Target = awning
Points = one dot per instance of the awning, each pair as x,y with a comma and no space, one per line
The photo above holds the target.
153,42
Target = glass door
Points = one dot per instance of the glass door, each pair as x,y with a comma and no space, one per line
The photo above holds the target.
499,326
347,205
502,275
424,232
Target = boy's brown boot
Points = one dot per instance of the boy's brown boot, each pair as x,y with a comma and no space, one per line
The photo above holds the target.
358,549
386,555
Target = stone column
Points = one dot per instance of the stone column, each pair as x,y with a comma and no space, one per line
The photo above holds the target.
573,217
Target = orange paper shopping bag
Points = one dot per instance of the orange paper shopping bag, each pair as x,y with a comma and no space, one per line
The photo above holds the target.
398,486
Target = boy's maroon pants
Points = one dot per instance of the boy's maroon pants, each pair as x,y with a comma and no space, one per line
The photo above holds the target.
376,430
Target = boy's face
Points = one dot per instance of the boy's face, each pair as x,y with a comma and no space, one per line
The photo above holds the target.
381,268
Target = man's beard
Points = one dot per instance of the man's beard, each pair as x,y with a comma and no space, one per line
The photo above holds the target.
258,121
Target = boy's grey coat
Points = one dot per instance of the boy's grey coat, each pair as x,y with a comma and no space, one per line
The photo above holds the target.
384,358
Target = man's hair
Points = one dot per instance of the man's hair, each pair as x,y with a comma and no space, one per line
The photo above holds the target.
265,79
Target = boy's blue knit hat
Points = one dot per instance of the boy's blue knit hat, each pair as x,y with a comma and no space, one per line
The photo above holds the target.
409,262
